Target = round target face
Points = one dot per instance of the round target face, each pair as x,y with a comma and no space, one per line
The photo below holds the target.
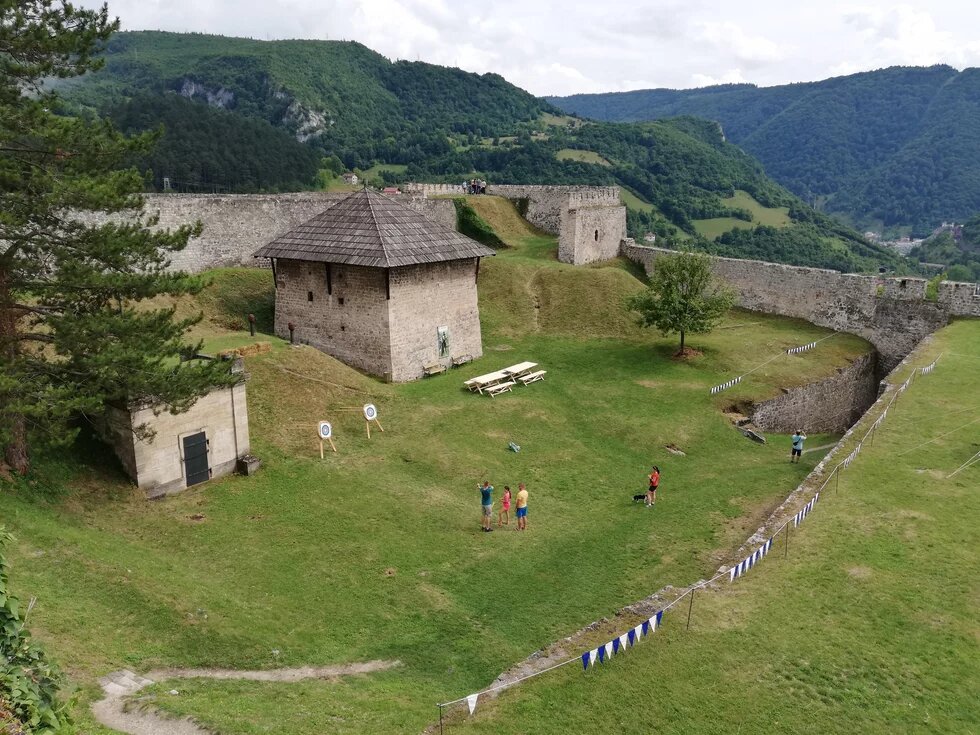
325,430
370,412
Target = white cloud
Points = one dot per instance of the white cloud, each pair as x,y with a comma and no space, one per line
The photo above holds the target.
733,76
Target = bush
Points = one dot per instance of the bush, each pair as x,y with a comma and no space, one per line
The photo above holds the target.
29,683
469,223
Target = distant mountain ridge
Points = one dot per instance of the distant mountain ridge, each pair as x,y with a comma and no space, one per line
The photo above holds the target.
894,147
246,115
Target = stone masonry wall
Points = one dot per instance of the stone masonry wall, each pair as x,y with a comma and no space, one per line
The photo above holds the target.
826,406
350,322
157,465
423,298
591,234
891,313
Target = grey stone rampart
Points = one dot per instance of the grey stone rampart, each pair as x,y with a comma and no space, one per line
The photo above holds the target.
827,406
891,313
348,319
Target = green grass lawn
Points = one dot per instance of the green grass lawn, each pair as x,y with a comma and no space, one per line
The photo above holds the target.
869,625
634,202
375,552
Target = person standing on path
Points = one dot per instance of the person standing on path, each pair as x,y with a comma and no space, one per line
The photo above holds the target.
521,507
486,504
504,508
654,484
798,438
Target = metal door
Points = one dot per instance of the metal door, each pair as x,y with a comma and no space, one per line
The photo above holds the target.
196,468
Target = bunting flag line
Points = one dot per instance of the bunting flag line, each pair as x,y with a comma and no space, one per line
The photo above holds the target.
804,511
801,348
620,643
750,561
471,702
929,368
729,384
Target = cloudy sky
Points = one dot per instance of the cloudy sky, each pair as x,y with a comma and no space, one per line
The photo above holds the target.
551,47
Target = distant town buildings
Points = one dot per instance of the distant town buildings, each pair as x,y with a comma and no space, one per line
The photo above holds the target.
350,177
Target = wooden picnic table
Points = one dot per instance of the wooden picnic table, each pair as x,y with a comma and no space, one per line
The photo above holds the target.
515,371
481,382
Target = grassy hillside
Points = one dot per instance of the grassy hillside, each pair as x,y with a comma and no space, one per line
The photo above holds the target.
354,109
892,148
375,553
867,625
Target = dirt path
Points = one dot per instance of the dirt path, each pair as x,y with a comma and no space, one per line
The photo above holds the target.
113,712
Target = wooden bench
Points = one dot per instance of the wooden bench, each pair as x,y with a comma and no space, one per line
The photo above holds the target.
533,377
500,388
462,360
433,369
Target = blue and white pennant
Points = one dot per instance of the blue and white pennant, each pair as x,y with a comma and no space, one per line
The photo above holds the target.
750,561
804,511
929,368
620,643
852,456
801,348
729,384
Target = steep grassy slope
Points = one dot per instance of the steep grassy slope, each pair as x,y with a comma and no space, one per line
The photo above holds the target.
867,625
888,148
374,552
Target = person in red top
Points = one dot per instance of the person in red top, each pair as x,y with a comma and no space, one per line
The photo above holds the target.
505,508
654,483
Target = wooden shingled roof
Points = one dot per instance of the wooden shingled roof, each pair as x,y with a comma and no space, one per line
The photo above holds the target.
372,230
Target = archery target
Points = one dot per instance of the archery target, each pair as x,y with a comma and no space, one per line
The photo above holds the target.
370,412
325,430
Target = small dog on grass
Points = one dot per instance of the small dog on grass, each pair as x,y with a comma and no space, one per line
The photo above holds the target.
638,498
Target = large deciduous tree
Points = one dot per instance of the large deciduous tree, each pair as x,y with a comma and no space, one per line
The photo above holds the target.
73,335
682,297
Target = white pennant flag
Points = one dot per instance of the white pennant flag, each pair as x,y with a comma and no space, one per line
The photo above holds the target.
637,633
609,650
592,656
623,641
471,702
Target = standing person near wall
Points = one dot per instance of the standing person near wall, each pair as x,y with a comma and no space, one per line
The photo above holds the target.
486,504
654,478
521,507
798,438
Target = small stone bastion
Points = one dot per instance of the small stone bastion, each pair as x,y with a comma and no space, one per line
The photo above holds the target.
165,452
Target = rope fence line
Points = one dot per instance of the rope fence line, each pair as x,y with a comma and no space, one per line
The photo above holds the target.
784,353
735,571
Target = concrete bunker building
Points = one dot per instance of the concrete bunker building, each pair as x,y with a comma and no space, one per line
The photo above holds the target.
379,286
185,449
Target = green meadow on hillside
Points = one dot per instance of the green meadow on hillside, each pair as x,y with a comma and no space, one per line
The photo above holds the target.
375,552
771,216
868,624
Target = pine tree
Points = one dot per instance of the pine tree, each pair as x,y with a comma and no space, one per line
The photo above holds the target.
683,297
73,334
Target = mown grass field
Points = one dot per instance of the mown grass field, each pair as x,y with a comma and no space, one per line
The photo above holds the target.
869,625
375,552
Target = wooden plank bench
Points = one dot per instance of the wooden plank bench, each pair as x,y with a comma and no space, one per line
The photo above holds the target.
533,377
433,369
462,360
500,388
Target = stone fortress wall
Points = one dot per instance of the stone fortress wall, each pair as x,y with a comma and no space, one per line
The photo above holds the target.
236,225
590,221
891,313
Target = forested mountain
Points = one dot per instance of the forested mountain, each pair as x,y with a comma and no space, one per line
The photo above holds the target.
889,148
246,115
